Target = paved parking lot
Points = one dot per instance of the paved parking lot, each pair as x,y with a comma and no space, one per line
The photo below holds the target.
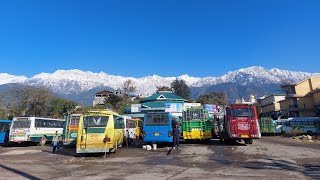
267,158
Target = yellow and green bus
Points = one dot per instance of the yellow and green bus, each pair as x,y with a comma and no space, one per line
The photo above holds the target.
70,129
100,131
196,124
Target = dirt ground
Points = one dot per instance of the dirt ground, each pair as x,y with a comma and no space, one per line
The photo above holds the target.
266,158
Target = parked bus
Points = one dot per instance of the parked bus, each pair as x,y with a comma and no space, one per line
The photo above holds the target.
34,129
299,125
196,124
100,131
130,127
139,127
240,123
267,126
4,131
282,126
158,126
215,128
70,129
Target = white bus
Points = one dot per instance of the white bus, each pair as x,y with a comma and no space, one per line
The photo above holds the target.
34,129
130,127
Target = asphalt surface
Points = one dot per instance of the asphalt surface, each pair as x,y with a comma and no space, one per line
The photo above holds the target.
266,158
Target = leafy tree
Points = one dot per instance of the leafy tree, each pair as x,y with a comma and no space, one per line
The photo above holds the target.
36,101
113,100
30,101
163,88
128,87
2,114
213,98
60,107
181,88
125,104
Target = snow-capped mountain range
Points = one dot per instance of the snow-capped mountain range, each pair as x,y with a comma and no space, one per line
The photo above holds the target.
72,82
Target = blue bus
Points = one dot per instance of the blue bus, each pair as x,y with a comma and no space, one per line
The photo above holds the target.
4,131
157,127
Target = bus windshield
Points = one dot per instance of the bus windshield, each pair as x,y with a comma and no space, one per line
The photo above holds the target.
4,127
74,120
157,119
96,121
130,123
195,115
242,112
21,123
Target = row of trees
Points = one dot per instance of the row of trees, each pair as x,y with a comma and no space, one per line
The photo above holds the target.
34,101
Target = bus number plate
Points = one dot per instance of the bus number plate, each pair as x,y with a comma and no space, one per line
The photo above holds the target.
244,136
156,134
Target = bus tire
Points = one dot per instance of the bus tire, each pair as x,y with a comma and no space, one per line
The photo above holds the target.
309,132
250,141
246,141
120,145
113,150
43,140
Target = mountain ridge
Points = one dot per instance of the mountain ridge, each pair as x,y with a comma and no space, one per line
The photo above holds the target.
75,82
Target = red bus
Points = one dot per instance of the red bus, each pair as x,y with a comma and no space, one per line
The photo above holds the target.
240,123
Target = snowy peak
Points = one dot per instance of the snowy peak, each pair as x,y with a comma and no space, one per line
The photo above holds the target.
77,81
7,78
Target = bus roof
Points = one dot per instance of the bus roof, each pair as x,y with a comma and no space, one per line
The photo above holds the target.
48,118
5,120
240,105
104,112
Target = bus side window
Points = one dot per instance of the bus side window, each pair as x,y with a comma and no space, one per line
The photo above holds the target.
118,122
36,123
2,128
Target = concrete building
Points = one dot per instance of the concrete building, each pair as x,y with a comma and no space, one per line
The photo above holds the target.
302,99
162,101
252,100
100,97
270,104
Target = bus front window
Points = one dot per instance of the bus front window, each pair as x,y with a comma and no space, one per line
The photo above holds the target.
157,120
242,112
21,123
96,121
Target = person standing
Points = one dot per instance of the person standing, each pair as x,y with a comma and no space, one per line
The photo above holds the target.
176,136
55,142
127,136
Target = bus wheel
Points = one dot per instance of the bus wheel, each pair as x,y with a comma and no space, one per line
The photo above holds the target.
120,145
43,141
250,141
246,141
309,132
113,150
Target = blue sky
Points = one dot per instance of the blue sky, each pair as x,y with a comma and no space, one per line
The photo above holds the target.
167,38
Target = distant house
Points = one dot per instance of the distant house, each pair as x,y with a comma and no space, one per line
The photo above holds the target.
302,98
251,101
270,104
100,97
159,101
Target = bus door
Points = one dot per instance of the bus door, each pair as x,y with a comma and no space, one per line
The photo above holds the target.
67,129
83,142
